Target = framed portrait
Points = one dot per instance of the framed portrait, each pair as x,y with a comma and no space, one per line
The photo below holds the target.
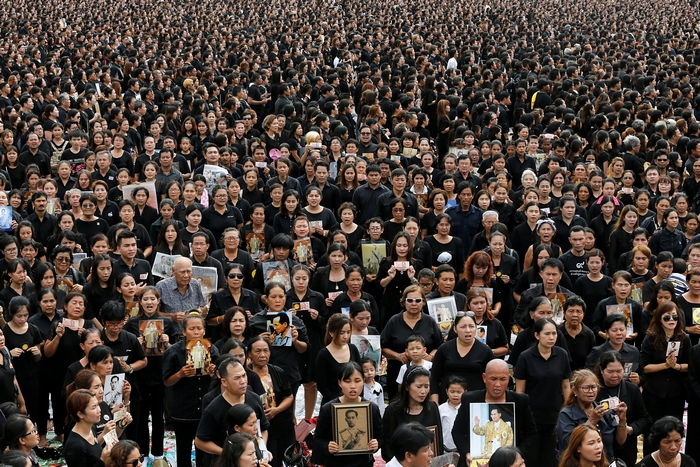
150,187
352,427
6,218
557,300
443,310
372,255
150,331
303,253
163,265
113,390
276,271
199,354
279,325
208,279
255,244
368,346
491,426
435,442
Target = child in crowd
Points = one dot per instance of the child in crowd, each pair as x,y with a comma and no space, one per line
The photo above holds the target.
373,390
456,386
415,349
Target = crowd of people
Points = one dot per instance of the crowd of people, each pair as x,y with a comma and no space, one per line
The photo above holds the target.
406,210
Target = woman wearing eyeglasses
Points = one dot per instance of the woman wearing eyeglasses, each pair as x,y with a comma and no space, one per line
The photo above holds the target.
69,279
403,325
464,356
233,295
125,454
82,449
21,434
610,372
88,224
581,407
664,392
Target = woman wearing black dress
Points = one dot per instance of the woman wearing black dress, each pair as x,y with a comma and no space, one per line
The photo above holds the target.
329,280
403,325
82,448
63,344
310,307
394,279
24,343
465,356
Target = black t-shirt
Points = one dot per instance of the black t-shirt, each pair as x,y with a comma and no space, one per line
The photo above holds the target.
543,382
213,426
25,365
79,453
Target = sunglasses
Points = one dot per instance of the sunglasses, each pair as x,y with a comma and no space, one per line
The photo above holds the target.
136,462
461,314
236,275
668,318
414,300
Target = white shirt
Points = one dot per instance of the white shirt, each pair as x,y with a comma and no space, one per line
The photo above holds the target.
426,364
448,414
375,394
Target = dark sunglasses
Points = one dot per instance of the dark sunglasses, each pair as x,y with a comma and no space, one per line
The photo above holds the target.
668,318
414,300
136,462
236,275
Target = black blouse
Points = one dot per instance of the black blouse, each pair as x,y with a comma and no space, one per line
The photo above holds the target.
188,392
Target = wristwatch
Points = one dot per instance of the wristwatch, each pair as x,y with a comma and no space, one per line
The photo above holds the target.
131,369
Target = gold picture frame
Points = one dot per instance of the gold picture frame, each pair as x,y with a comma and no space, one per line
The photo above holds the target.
352,427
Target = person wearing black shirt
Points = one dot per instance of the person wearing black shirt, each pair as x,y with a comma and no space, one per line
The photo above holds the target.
212,429
188,387
574,260
579,337
221,215
127,262
129,354
44,223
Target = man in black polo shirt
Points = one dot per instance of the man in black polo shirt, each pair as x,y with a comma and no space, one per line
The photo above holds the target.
330,193
33,155
496,377
551,272
44,224
213,428
366,196
399,179
127,262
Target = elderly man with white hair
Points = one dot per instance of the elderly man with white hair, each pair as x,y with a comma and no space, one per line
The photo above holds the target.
481,240
179,294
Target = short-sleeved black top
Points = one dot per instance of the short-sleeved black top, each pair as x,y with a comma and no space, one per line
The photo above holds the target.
543,380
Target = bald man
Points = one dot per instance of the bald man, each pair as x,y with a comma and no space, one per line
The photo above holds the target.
496,377
179,294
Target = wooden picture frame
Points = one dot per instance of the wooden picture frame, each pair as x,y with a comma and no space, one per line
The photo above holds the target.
491,425
435,443
352,427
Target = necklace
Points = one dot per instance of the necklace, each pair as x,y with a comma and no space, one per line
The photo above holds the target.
658,456
610,392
